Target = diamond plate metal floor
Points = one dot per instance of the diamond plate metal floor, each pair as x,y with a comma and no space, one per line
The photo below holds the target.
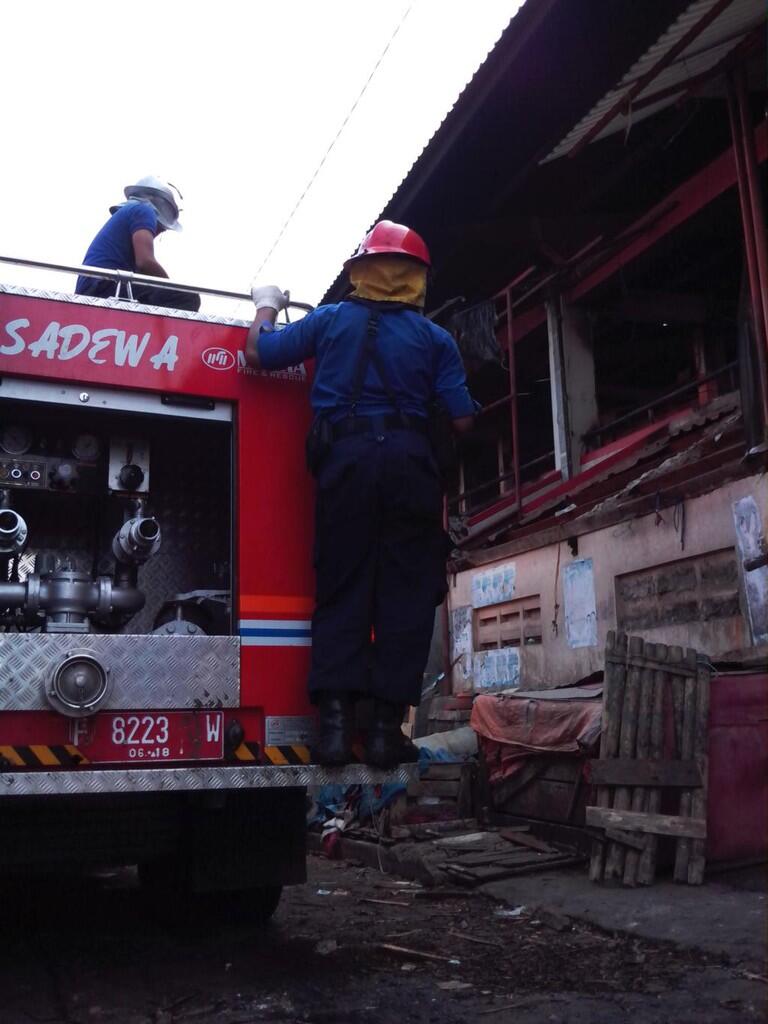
169,780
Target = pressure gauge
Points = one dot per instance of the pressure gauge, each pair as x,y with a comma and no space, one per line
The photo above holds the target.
86,447
16,439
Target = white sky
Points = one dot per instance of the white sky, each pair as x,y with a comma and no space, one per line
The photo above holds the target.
236,103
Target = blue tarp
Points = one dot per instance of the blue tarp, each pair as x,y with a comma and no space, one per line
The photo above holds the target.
332,801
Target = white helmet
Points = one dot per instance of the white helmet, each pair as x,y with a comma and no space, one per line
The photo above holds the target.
161,195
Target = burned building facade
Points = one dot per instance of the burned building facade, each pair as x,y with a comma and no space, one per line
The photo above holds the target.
594,202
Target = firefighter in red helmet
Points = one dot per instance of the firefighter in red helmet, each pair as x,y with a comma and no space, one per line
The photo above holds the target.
388,238
379,543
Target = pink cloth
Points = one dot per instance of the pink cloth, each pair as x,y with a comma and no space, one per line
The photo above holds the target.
512,729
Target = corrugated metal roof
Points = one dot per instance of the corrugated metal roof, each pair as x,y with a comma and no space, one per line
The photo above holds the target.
703,53
428,144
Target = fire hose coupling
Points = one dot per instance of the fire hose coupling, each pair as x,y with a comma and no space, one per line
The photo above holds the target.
136,540
80,684
13,532
68,599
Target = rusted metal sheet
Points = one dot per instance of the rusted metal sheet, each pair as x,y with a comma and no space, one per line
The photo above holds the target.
738,767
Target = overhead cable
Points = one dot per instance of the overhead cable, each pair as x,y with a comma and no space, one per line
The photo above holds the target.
335,139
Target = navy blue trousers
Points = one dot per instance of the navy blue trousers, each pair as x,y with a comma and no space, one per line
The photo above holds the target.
380,554
167,297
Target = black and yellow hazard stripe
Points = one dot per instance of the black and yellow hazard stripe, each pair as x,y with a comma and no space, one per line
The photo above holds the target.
287,755
296,754
250,752
39,755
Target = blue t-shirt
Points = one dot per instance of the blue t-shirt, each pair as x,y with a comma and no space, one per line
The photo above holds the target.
113,246
421,360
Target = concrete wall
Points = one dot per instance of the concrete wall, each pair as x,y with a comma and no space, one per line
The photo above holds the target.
637,573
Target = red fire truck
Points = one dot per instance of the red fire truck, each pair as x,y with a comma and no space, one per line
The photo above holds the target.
155,596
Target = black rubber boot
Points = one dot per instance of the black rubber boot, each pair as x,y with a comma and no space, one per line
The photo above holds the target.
386,745
334,739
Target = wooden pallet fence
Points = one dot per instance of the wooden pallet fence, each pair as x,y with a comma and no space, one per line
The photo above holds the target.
613,699
644,682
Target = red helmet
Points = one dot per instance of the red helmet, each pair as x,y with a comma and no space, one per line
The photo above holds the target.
388,238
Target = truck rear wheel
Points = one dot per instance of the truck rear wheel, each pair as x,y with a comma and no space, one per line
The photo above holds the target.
169,879
256,905
232,855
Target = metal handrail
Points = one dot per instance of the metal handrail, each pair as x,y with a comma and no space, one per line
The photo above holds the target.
130,277
595,432
508,475
691,385
497,404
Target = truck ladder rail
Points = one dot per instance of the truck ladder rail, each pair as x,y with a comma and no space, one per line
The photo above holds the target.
129,277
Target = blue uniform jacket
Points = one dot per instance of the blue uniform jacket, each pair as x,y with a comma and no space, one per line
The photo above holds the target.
421,360
113,245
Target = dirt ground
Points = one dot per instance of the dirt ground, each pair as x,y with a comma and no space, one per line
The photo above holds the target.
99,950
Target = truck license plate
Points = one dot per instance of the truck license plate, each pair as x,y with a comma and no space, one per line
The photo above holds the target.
150,737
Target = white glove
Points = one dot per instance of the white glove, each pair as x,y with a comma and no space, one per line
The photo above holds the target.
270,296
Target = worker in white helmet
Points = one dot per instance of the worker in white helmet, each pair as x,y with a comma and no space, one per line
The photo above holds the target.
127,242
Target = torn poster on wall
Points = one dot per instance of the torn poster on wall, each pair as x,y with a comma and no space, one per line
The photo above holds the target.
749,537
494,585
461,643
579,601
497,669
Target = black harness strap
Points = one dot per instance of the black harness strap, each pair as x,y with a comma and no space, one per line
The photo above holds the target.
370,354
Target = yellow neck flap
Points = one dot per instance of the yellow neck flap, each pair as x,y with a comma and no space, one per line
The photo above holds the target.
389,279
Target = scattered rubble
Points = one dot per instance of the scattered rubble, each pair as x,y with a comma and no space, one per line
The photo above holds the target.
341,959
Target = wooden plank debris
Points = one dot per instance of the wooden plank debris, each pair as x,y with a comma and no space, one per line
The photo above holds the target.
629,772
635,767
659,824
682,853
467,859
639,793
466,839
465,799
497,857
384,903
437,828
697,860
646,869
480,874
618,835
420,954
475,938
524,839
515,784
499,1009
622,796
613,697
443,791
677,682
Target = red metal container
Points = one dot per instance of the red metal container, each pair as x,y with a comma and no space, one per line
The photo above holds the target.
737,814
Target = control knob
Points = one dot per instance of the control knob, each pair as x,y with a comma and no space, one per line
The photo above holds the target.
130,477
63,475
